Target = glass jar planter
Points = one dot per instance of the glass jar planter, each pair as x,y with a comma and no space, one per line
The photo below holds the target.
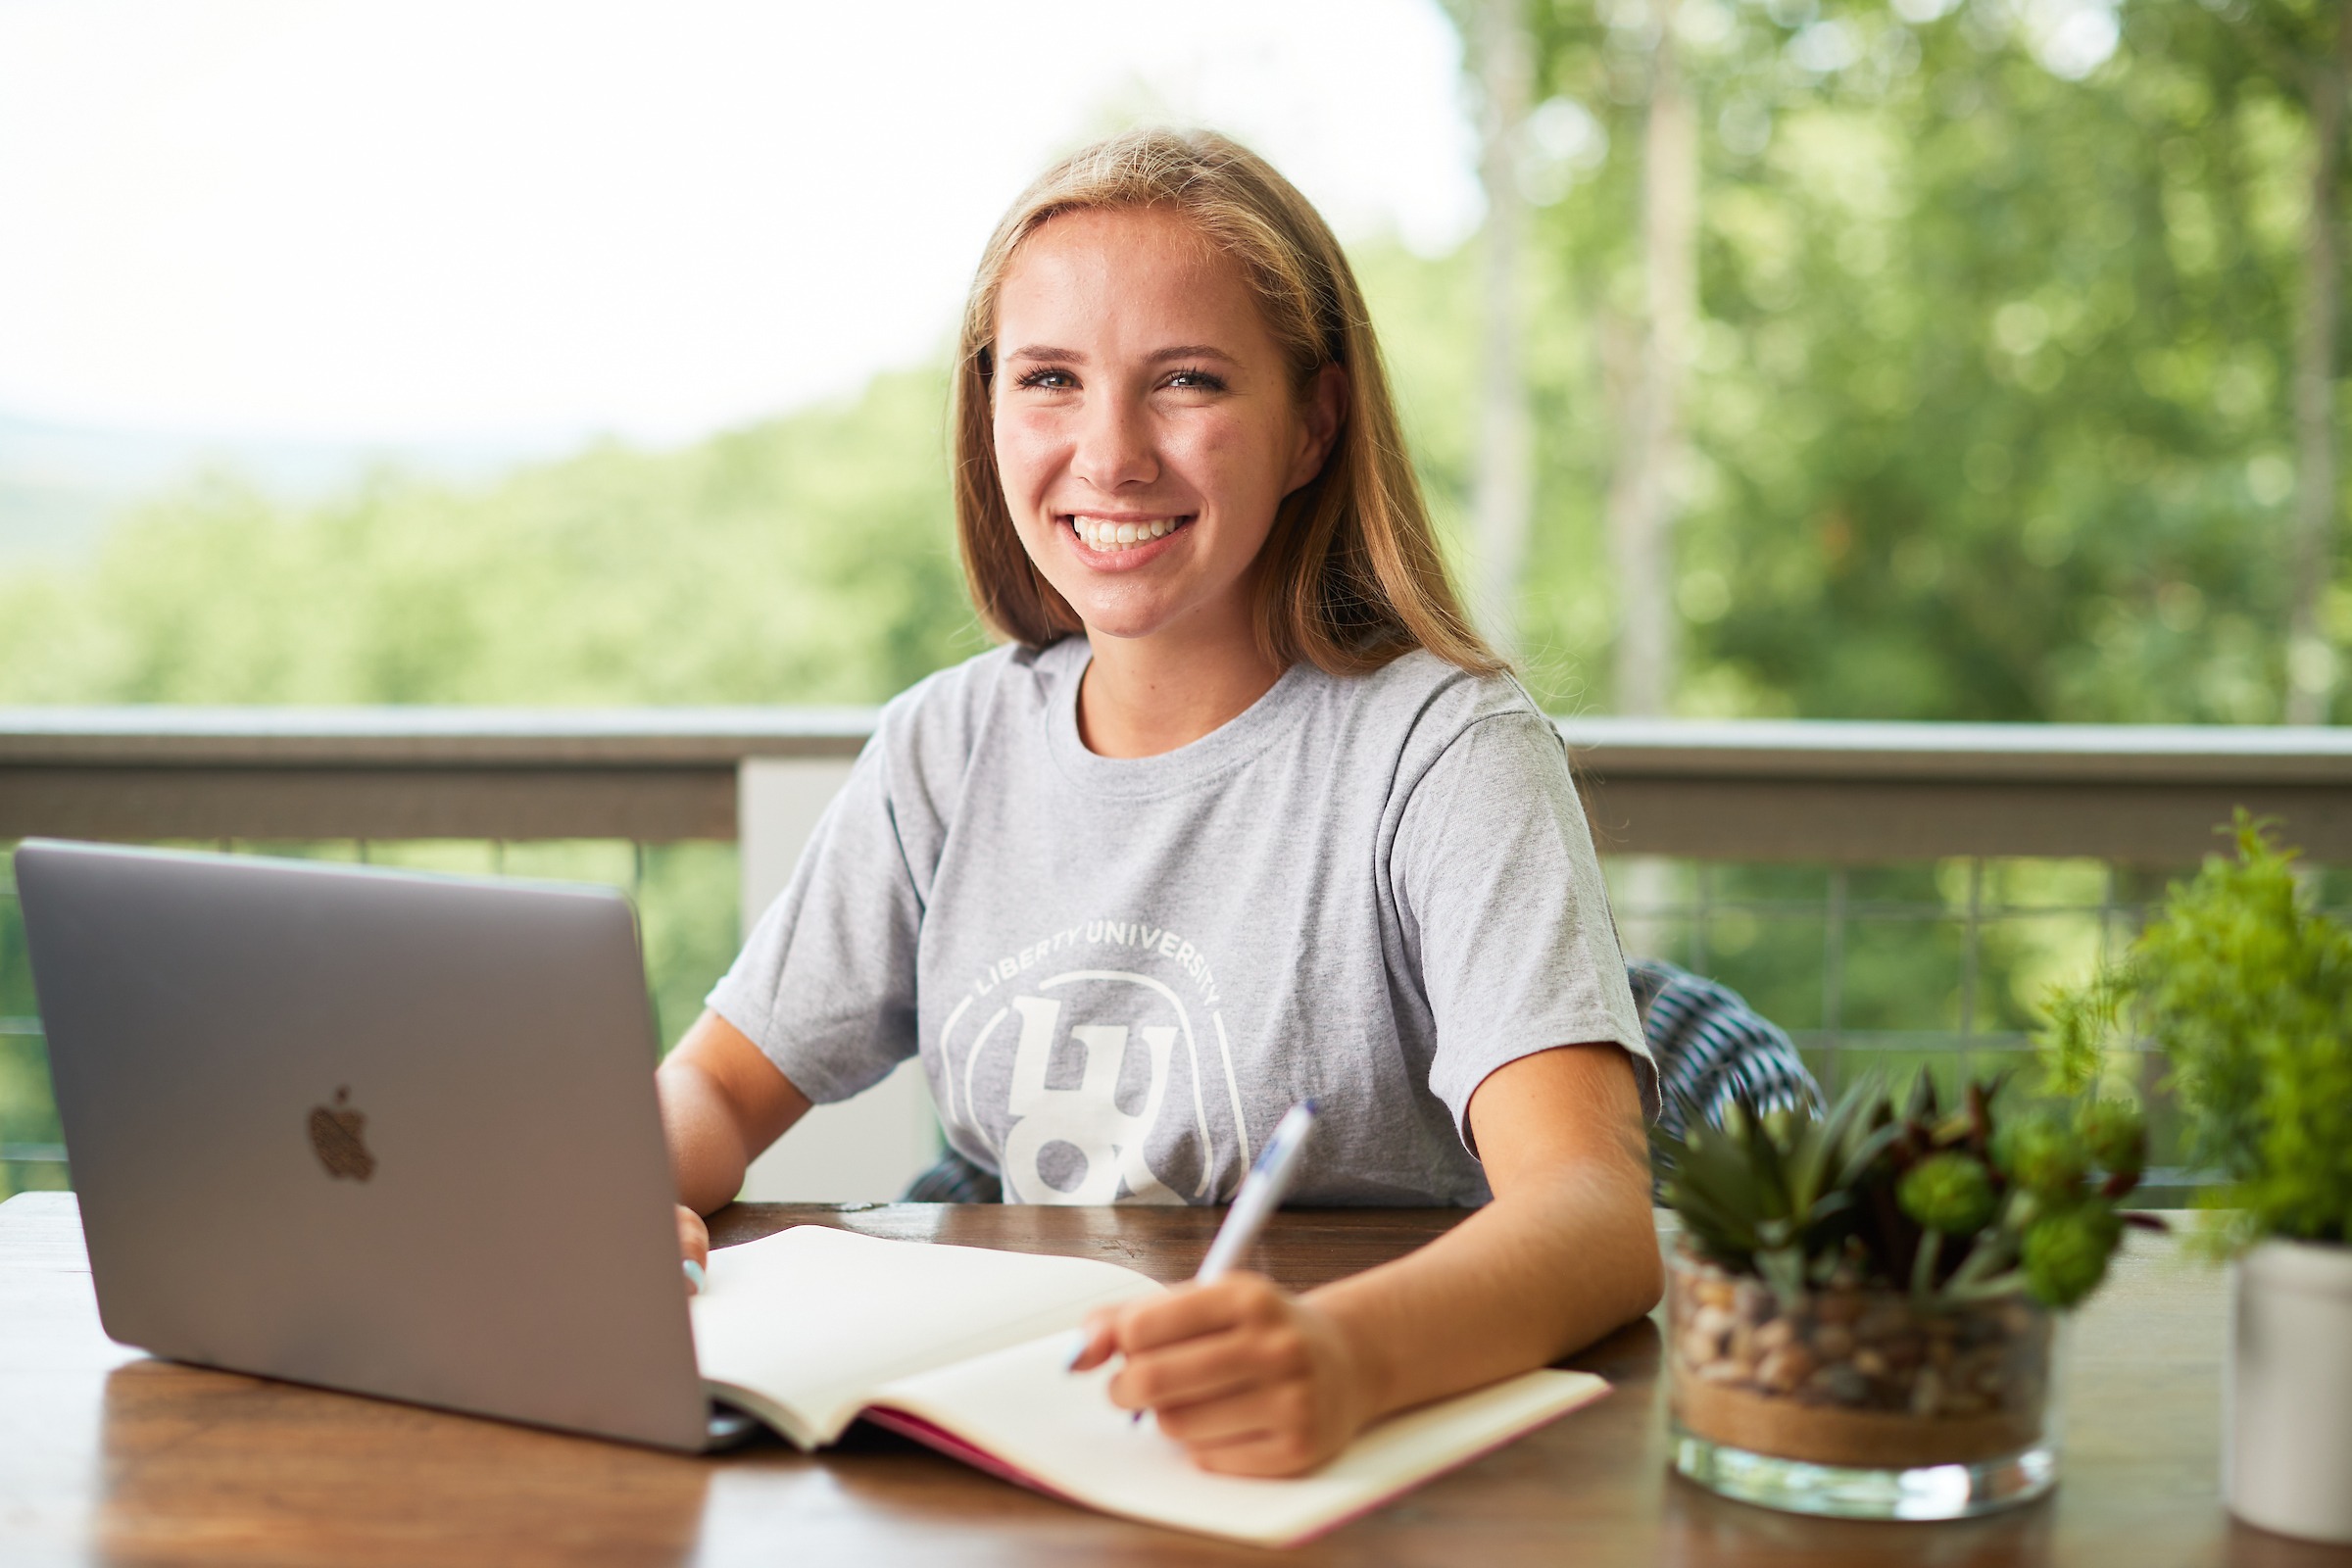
1861,1404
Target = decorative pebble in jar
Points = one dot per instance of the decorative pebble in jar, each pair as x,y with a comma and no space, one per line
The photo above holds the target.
1865,1302
1858,1401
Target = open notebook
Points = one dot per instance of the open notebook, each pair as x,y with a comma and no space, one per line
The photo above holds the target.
962,1348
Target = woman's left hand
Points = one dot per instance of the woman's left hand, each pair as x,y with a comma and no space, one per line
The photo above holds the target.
1251,1380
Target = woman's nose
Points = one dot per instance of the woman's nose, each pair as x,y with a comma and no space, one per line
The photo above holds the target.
1114,448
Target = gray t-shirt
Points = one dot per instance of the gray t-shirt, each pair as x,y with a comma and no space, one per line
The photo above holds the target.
1119,973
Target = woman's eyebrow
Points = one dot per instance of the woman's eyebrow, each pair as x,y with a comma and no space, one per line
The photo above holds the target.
1180,351
1193,351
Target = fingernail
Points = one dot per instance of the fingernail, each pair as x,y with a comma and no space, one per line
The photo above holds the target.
694,1274
1078,1341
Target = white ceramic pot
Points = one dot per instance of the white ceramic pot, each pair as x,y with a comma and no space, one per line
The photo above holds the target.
2287,1393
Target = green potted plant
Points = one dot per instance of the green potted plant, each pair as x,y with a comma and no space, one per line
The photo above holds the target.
1862,1303
2247,989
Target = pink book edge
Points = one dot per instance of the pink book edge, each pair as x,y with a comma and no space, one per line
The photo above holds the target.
933,1436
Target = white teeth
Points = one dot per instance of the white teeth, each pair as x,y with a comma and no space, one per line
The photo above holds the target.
1113,537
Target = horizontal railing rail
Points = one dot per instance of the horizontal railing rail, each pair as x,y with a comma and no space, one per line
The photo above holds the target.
1847,792
1778,791
652,775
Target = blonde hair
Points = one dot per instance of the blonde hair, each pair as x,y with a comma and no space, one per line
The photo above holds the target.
1350,575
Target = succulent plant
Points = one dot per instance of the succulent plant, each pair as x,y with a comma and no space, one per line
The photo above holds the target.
1954,1204
2065,1250
2116,1136
1770,1192
1951,1192
2040,1153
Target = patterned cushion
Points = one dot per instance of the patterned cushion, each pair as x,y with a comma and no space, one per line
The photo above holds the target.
1710,1044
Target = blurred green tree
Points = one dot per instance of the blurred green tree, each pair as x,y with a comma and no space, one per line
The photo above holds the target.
1989,410
1990,399
808,559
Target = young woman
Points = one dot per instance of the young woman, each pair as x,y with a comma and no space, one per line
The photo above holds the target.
1243,813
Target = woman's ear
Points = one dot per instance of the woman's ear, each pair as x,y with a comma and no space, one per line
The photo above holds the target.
1325,410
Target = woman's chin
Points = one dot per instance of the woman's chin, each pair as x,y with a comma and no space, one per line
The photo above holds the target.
1126,615
1139,606
1124,624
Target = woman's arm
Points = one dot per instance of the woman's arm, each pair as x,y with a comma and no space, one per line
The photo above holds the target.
1255,1382
722,1103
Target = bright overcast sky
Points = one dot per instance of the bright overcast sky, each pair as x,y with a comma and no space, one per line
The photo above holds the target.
415,221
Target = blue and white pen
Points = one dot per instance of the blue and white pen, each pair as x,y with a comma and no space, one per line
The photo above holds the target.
1262,1191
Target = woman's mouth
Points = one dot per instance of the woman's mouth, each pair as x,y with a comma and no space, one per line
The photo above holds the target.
1121,536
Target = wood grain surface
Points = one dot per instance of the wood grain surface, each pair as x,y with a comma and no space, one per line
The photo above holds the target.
107,1456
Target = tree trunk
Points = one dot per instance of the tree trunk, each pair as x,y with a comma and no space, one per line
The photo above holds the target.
1641,490
2310,663
1502,494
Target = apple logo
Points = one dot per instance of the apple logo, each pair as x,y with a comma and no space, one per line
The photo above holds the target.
336,1134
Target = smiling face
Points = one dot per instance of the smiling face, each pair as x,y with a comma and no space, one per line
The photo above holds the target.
1145,423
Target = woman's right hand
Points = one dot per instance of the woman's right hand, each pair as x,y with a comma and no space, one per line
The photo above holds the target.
694,1246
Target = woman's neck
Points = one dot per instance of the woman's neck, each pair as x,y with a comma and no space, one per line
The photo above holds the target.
1143,696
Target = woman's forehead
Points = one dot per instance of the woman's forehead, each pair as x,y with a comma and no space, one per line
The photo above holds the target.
1118,273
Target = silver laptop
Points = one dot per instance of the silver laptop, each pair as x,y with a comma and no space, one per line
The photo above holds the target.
380,1131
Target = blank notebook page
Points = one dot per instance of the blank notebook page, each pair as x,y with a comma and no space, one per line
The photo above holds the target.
816,1319
1059,1430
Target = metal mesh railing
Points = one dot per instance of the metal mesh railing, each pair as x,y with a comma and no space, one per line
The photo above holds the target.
1938,967
1942,967
1899,897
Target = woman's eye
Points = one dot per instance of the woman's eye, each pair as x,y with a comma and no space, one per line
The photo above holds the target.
1049,379
1196,381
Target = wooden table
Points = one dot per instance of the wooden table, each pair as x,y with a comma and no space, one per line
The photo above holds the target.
107,1456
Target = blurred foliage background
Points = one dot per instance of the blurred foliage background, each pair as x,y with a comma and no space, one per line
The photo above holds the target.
1989,413
804,561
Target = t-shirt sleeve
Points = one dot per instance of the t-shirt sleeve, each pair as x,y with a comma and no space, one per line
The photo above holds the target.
1503,903
825,983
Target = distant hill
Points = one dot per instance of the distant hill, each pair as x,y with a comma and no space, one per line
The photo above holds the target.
62,485
805,559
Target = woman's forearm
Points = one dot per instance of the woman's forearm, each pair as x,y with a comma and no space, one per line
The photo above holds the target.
1533,1275
1566,1252
707,1152
722,1104
1254,1382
